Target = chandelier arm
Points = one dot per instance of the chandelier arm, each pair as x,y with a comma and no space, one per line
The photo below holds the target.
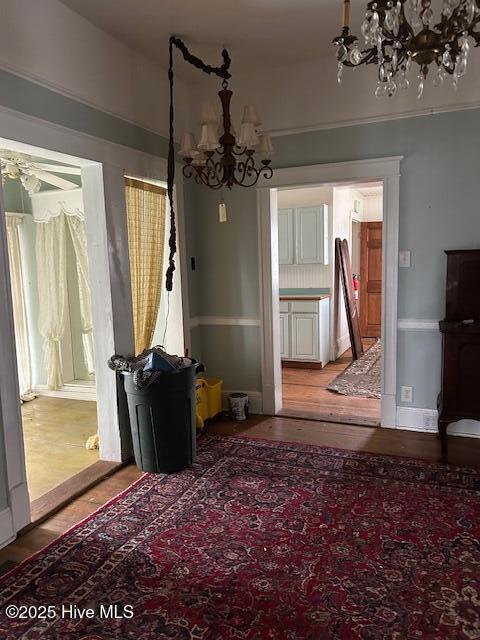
246,169
215,171
240,152
368,55
266,171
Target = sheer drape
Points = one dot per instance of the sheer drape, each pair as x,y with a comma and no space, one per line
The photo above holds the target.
76,226
146,206
19,309
52,290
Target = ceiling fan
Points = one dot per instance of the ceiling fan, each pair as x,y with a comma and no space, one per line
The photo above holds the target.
20,166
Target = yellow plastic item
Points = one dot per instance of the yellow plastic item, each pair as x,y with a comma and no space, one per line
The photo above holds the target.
209,399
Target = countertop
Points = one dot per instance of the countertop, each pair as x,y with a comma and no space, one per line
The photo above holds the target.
304,294
313,296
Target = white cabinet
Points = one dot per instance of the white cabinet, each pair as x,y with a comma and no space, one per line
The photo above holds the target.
305,335
303,235
305,330
309,235
285,236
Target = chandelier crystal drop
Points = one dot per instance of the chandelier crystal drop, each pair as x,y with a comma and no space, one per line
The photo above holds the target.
435,34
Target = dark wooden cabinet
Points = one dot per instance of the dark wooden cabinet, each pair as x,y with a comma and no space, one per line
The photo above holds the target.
460,394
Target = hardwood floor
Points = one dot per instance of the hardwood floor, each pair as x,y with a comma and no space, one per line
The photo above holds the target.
463,451
305,395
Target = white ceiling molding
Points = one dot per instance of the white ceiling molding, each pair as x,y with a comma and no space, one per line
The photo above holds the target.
373,119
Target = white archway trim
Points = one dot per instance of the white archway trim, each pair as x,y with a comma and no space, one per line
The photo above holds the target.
386,170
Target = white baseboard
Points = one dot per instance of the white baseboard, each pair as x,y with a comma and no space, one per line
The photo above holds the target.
255,404
415,419
7,532
20,506
68,391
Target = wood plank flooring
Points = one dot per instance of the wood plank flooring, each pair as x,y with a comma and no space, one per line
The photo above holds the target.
463,451
305,395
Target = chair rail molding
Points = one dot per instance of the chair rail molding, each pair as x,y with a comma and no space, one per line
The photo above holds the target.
417,324
225,321
386,170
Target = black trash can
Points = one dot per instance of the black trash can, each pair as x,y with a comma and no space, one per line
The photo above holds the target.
162,419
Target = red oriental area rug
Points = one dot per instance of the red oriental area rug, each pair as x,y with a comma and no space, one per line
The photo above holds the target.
264,540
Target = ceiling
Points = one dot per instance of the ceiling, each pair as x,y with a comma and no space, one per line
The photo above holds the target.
270,33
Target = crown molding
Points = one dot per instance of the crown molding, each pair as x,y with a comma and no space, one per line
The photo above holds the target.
51,86
373,119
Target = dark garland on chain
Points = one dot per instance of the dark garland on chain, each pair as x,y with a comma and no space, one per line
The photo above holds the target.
221,72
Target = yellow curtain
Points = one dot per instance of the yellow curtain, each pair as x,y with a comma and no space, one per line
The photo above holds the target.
146,210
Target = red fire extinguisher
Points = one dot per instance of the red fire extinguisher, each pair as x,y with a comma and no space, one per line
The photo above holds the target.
355,286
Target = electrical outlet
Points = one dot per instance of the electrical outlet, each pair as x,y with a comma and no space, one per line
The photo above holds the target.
406,394
404,259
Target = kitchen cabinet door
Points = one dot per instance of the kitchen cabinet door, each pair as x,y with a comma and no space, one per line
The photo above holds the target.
305,330
309,235
285,236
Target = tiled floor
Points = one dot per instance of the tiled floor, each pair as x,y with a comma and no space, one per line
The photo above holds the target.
55,431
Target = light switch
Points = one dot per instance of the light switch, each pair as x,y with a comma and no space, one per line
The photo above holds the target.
404,258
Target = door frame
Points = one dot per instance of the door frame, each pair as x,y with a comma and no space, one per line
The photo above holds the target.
385,170
103,166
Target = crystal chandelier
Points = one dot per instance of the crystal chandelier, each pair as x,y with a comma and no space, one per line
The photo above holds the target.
220,159
400,32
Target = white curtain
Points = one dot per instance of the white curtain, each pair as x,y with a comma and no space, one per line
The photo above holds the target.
77,232
52,290
19,309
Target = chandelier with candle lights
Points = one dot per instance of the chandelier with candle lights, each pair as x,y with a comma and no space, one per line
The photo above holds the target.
220,159
398,33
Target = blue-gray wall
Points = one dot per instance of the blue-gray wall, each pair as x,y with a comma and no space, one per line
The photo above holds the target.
439,210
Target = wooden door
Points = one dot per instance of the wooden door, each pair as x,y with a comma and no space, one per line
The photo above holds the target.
371,279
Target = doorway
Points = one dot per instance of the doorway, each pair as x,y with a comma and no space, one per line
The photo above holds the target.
384,171
320,380
52,316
